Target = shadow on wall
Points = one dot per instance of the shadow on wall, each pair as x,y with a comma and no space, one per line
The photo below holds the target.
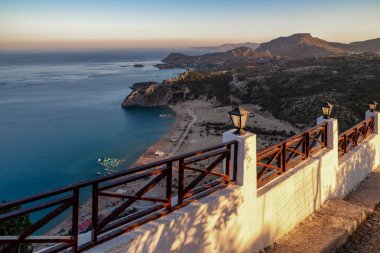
189,231
220,225
233,221
354,167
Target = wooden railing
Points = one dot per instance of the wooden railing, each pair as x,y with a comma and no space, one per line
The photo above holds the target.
177,181
355,135
275,160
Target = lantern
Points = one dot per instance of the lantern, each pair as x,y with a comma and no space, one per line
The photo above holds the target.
326,110
372,105
239,119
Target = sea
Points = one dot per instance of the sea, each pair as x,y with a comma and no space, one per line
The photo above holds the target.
61,111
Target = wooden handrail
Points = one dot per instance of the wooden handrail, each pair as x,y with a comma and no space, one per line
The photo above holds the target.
160,171
275,160
351,137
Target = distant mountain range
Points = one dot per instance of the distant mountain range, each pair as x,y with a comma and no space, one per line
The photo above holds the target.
214,58
228,47
360,46
303,45
299,45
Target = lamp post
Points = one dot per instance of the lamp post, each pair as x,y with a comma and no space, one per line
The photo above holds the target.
326,110
372,105
239,117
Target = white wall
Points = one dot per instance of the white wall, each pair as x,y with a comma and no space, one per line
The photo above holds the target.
243,219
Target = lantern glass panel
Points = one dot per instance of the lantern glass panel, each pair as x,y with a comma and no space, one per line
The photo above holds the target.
372,106
235,120
325,110
243,121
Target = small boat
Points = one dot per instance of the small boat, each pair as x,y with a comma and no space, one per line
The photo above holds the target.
165,115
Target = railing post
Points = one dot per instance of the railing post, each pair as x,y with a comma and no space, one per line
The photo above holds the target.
332,132
356,136
75,219
227,169
245,159
307,144
345,143
169,185
325,136
283,157
181,180
95,197
376,129
234,170
375,116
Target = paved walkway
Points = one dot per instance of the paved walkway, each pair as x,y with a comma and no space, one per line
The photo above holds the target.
329,228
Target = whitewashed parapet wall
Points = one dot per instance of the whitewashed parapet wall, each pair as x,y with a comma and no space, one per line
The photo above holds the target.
241,218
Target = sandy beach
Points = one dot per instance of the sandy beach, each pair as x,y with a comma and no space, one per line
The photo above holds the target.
192,130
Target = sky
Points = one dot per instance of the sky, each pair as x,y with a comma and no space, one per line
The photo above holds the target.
54,24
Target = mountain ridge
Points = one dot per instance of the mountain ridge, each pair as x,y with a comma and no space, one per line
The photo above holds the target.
239,53
299,45
229,46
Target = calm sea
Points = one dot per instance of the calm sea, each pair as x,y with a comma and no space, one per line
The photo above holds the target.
60,112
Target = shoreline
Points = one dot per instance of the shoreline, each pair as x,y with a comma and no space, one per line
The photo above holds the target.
164,143
188,133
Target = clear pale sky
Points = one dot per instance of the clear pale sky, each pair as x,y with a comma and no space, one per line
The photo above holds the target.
44,24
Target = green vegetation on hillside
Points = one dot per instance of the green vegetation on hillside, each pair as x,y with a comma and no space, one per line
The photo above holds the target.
16,226
198,85
295,89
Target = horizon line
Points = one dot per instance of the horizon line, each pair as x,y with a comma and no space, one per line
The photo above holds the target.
62,45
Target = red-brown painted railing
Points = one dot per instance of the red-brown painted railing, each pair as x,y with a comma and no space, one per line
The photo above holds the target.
355,135
275,160
117,221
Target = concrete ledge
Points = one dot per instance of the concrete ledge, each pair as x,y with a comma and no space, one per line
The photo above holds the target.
242,219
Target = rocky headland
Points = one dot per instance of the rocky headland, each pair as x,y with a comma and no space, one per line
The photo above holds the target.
148,94
284,77
284,87
236,56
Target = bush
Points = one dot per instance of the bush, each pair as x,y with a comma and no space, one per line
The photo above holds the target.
16,226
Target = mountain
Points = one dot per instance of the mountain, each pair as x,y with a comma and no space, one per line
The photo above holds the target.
187,86
359,46
299,45
215,58
229,46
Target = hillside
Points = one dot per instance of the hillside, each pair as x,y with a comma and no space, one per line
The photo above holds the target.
300,86
360,46
239,54
229,46
285,88
300,45
187,86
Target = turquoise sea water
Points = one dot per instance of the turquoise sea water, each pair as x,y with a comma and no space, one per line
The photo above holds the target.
60,112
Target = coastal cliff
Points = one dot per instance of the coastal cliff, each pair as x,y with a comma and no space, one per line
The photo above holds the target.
187,86
148,94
